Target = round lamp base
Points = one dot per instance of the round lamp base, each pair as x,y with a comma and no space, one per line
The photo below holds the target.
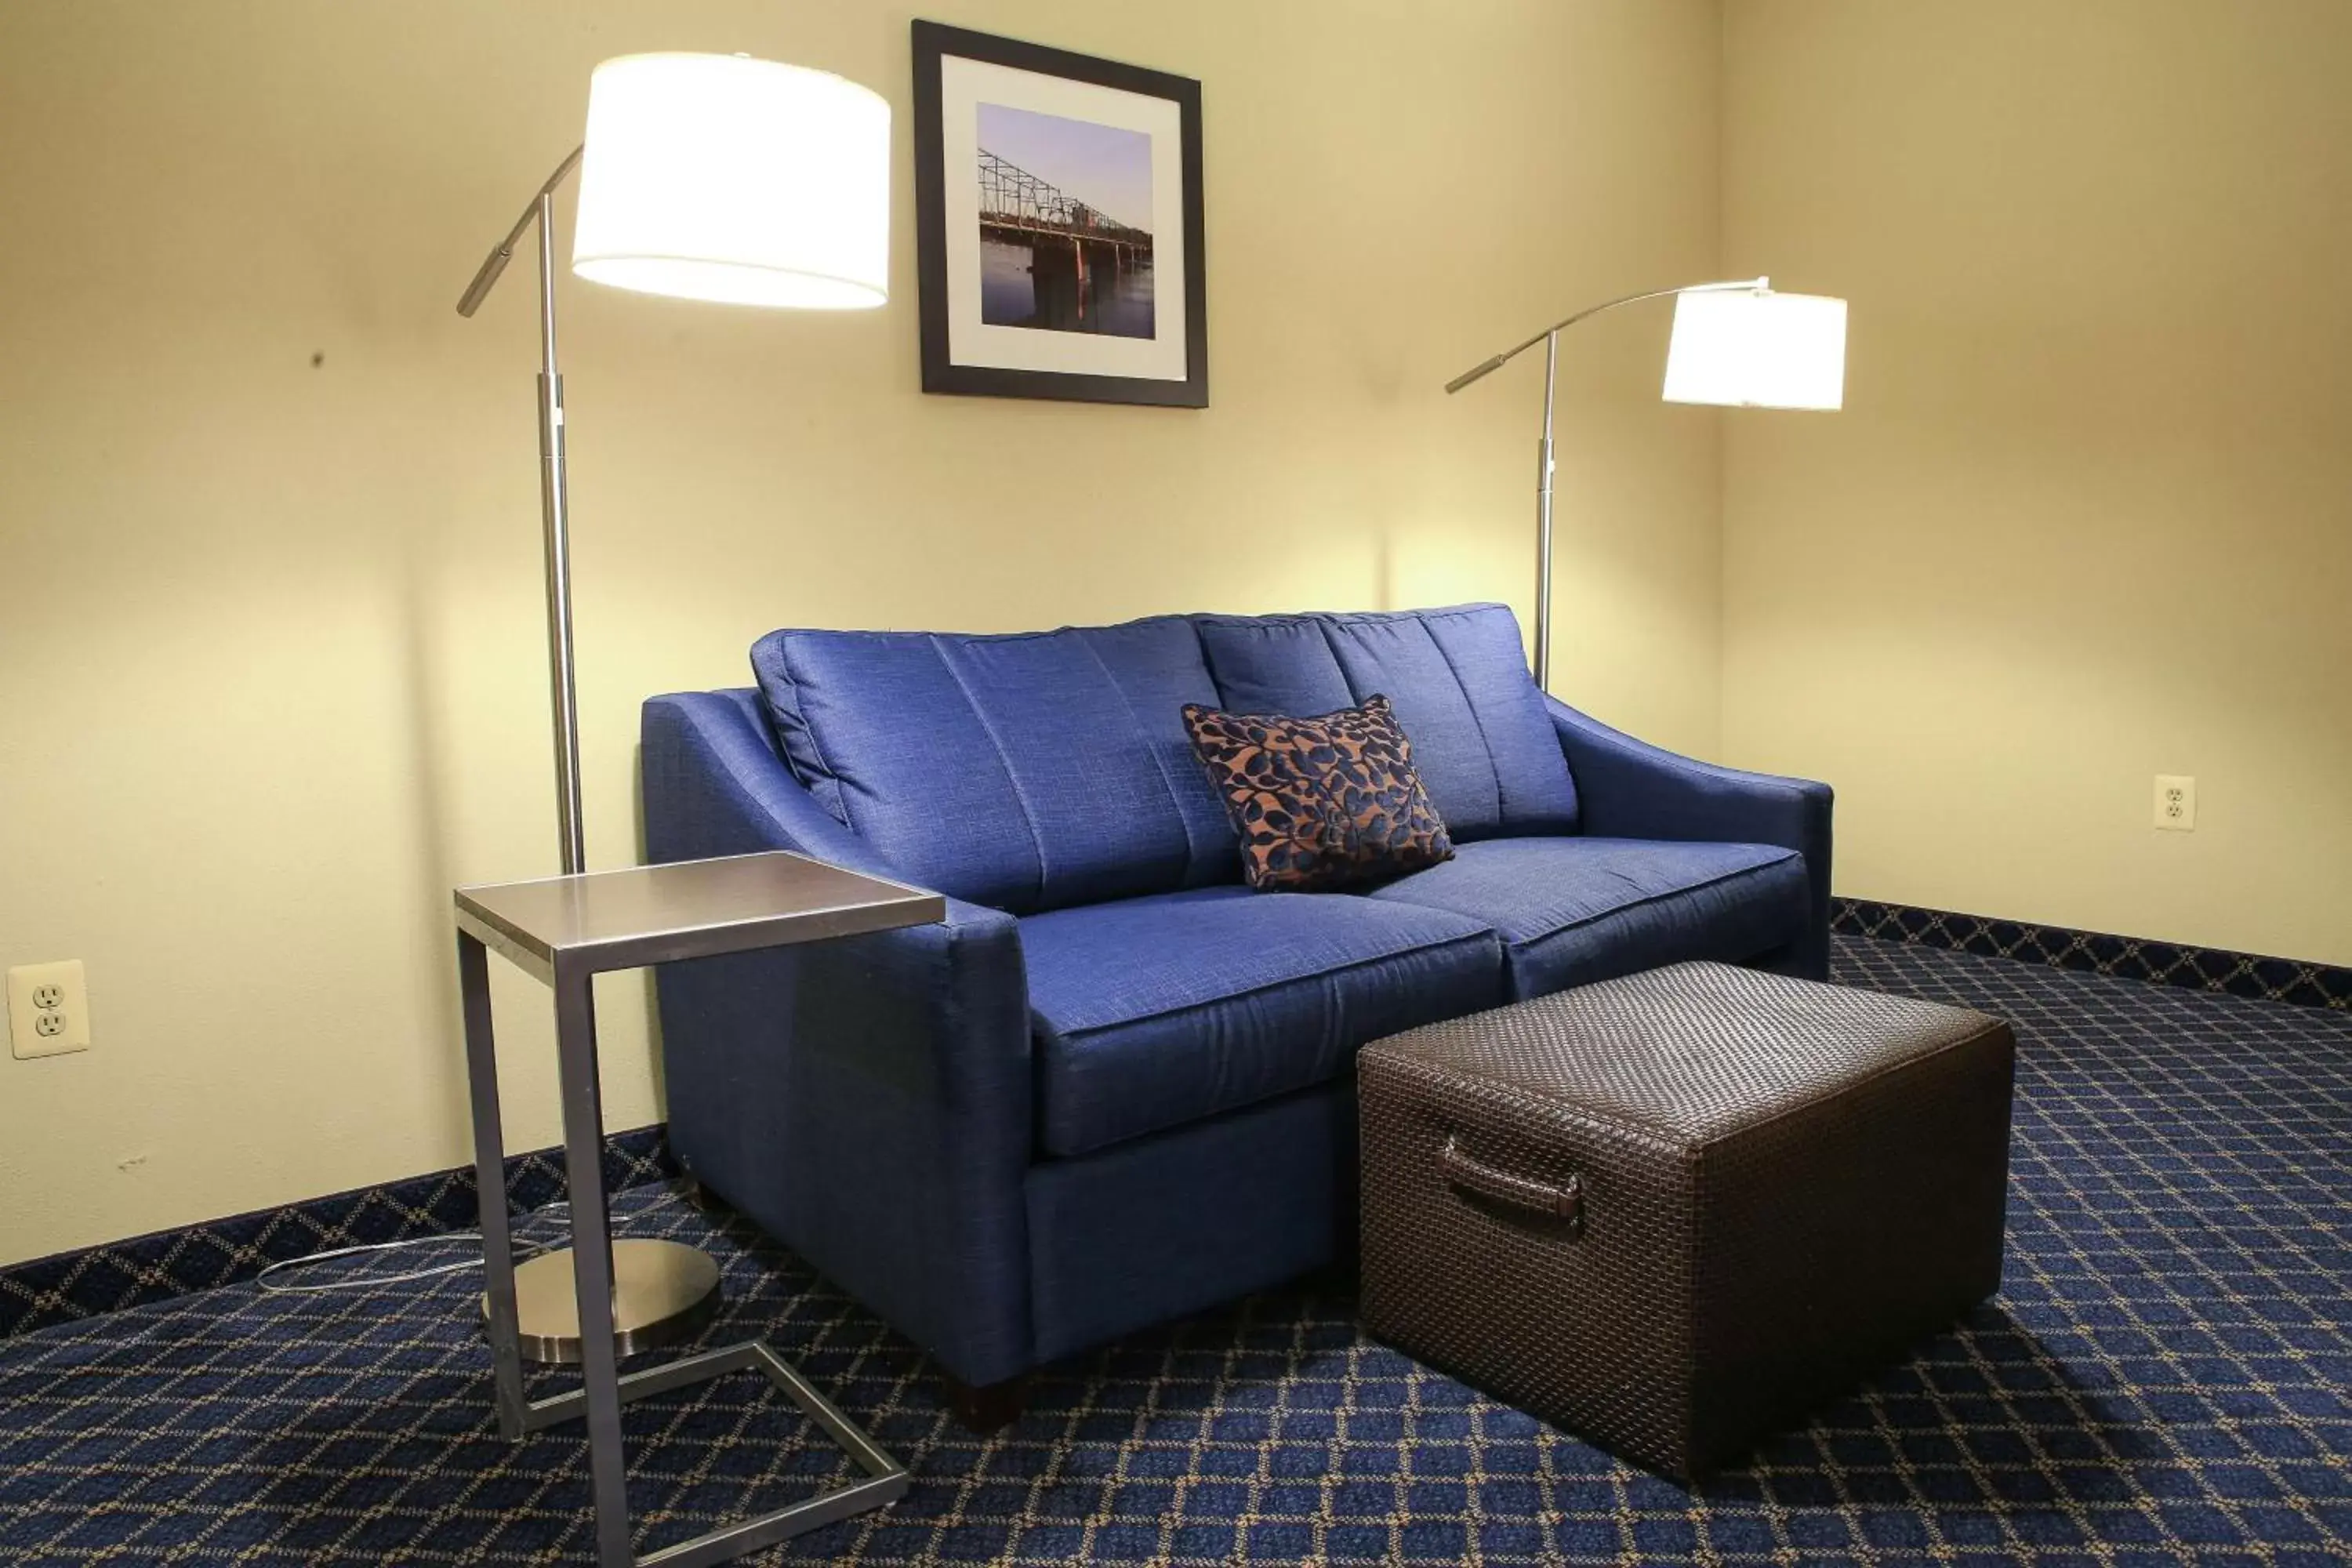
663,1292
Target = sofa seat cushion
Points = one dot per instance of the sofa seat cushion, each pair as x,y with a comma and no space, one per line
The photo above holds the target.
1153,1012
1573,910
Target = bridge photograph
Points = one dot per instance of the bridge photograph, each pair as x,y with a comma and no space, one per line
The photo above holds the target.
1060,248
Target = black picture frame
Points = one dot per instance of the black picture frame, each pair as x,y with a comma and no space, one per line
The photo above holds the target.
934,40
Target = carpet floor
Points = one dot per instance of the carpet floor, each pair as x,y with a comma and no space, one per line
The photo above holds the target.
2165,1377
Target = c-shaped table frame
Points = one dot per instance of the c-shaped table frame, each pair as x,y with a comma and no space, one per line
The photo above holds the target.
602,1391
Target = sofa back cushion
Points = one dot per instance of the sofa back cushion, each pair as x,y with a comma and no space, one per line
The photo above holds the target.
1457,679
1025,771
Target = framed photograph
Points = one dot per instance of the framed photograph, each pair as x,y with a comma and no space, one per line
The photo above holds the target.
1057,223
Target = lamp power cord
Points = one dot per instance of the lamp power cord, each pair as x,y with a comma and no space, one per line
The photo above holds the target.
525,1248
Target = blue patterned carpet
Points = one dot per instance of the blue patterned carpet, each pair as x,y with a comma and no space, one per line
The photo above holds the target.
2163,1379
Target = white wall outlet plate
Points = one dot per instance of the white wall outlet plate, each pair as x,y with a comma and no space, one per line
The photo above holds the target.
49,1009
2176,803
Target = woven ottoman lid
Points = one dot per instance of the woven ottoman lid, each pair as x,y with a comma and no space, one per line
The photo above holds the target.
1687,1054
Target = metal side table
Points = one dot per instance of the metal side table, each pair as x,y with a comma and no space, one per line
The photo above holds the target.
565,930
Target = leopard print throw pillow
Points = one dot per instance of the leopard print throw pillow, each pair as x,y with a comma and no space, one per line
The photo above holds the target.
1321,803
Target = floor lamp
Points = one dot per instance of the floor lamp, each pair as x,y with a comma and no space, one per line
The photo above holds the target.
716,177
1736,344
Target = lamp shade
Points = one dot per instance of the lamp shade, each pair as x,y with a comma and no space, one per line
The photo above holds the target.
1752,348
723,177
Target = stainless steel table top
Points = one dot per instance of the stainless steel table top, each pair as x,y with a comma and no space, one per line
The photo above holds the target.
688,909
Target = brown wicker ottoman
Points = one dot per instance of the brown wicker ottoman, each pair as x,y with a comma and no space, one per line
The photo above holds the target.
1671,1212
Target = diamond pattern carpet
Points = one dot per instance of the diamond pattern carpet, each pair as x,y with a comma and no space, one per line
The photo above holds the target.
2163,1379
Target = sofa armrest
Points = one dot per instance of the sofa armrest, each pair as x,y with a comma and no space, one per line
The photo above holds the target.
1627,788
867,1100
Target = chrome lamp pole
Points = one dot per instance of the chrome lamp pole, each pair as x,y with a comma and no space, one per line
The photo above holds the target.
713,177
1747,347
554,503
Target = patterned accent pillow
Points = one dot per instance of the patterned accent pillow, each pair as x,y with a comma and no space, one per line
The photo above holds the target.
1324,803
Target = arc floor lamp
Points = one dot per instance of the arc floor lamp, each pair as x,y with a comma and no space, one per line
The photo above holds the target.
1737,345
715,177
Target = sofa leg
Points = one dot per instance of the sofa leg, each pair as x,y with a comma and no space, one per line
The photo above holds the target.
985,1409
704,1200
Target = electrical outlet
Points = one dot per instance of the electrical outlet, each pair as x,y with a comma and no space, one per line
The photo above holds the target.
2176,803
49,1009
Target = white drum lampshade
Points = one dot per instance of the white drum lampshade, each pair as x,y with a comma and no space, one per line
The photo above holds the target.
738,180
1753,348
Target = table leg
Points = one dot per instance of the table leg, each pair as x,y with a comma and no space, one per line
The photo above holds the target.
490,1183
592,1260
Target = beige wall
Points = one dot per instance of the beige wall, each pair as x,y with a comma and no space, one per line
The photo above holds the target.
271,657
2087,516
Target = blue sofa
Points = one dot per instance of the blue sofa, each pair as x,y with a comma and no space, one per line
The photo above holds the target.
1115,1086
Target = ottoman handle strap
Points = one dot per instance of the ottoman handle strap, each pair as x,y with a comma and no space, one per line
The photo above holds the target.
1564,1202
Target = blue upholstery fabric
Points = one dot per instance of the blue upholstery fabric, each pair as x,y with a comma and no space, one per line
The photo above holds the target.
867,1101
908,1110
1631,789
1273,664
1027,772
1460,676
1458,680
1157,1011
1574,910
1185,1219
